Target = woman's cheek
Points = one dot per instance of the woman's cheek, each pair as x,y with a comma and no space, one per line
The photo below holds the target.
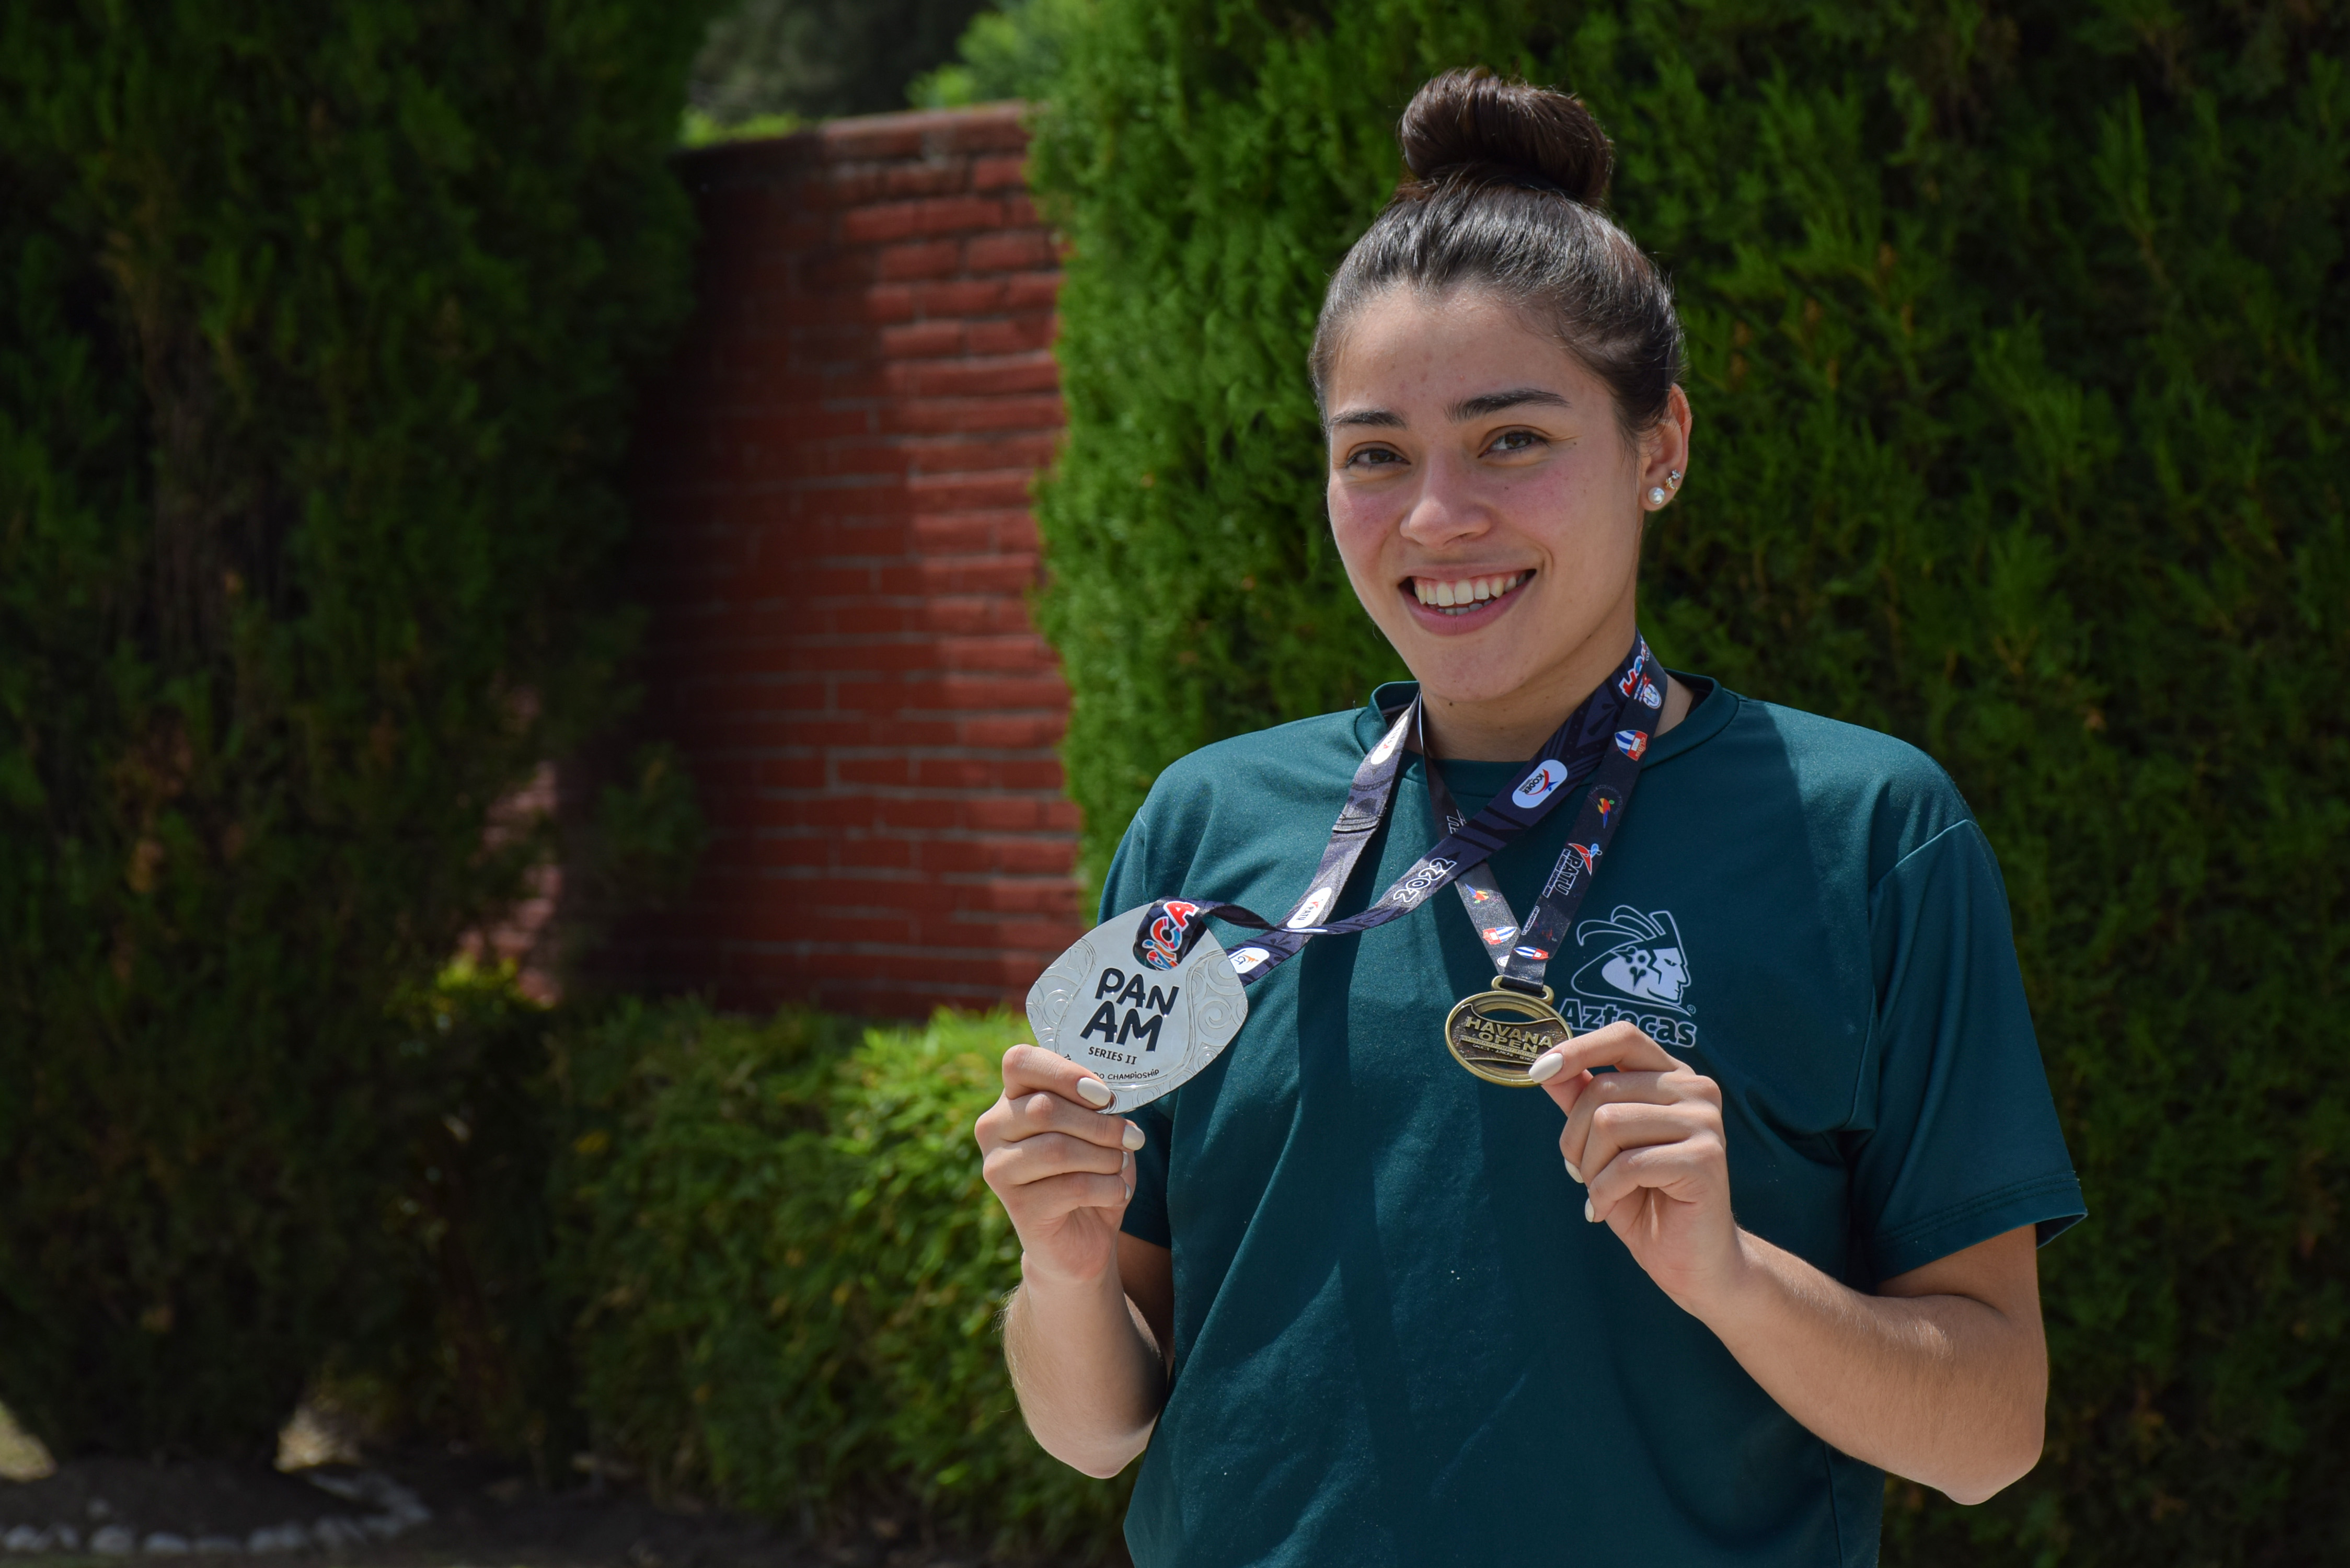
1358,527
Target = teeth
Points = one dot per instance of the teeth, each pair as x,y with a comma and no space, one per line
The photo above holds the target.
1463,594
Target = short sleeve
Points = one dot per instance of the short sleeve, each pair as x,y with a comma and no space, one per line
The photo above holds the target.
1129,884
1956,1136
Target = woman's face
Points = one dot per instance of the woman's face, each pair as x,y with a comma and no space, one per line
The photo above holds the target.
1484,499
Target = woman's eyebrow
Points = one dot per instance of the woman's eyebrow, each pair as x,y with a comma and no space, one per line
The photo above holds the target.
1378,417
1494,402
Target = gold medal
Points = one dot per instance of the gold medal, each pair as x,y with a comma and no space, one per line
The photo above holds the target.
1497,1034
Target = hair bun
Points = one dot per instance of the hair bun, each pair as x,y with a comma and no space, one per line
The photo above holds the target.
1495,129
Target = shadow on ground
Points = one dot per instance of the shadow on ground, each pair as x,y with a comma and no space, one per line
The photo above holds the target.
482,1515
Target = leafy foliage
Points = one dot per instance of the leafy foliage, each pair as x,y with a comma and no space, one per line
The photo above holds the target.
314,365
791,1270
1016,52
2018,334
771,60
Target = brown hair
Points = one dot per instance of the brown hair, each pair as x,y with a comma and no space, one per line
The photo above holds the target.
1503,190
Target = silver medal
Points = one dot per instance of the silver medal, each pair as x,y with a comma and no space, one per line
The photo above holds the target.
1141,1029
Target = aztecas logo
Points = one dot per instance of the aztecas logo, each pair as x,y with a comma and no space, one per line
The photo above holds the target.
1632,743
1641,960
1160,945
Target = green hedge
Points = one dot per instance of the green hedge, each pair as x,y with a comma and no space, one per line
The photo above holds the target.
315,350
2018,334
788,1271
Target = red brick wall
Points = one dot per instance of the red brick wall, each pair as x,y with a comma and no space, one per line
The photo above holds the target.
835,541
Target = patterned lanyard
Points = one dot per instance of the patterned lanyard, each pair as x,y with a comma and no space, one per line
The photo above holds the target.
1522,955
1607,734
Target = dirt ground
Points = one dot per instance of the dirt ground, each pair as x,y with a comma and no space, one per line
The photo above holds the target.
483,1515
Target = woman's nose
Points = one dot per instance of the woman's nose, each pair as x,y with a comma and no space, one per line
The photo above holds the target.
1444,512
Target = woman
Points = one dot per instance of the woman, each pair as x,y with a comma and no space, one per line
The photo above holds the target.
1350,1296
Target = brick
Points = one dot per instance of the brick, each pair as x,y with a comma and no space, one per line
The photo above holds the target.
895,854
935,416
887,221
873,136
1034,371
1032,291
966,693
788,772
959,531
1013,732
968,492
999,173
920,258
960,296
1057,900
924,340
837,545
1022,451
1020,250
1010,335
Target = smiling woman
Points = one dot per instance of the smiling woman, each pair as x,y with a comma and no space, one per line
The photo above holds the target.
1361,1307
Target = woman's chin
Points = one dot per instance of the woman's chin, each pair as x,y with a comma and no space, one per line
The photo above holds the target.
1473,683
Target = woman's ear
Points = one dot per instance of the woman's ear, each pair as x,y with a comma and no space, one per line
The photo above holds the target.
1664,453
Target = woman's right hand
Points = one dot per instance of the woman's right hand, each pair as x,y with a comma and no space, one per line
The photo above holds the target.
1063,1170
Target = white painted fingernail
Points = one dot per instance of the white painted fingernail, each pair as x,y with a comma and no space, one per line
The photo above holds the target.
1575,1173
1546,1067
1129,1192
1132,1137
1096,1092
1588,1214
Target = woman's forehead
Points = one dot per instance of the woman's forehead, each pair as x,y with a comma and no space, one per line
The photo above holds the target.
1455,356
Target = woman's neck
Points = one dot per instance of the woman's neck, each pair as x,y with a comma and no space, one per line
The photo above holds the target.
1511,729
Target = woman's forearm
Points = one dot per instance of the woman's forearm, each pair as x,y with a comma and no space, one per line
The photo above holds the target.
1090,1381
1945,1389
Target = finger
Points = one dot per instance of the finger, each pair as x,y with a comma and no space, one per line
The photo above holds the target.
1046,1156
1681,1172
1621,1046
1010,1120
1058,1197
1028,1068
1618,1128
1603,1090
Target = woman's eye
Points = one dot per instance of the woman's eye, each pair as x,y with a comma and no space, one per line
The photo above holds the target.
1515,440
1373,457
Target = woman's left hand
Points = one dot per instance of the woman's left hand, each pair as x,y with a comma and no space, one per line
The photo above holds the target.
1646,1139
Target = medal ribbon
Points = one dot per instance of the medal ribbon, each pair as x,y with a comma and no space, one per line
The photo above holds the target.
1522,955
1609,732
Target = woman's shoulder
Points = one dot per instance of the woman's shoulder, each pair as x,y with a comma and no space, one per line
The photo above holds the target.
1227,805
1850,777
1317,756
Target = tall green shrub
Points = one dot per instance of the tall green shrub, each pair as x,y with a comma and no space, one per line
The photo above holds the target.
2018,335
791,1267
318,326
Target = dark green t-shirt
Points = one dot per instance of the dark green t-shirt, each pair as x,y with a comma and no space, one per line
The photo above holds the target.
1397,1340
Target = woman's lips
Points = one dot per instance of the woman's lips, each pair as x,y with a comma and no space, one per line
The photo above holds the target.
1452,605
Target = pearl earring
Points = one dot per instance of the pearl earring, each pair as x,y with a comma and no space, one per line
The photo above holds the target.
1656,495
